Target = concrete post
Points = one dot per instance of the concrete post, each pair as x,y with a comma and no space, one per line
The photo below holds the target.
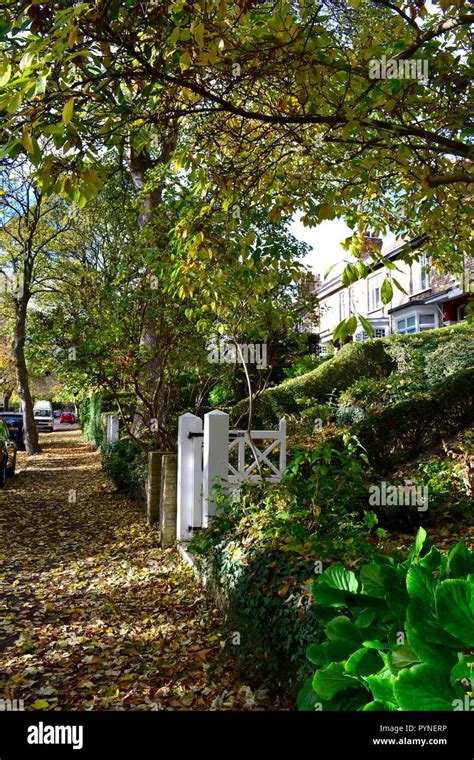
153,487
168,502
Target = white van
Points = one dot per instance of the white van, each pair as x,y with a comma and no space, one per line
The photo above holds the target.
43,414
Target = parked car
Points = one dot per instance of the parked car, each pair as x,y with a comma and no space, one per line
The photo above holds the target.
67,417
57,413
15,425
43,414
7,454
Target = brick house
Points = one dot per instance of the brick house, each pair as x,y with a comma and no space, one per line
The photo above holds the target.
430,300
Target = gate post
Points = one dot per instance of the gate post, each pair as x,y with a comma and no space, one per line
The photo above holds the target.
189,514
216,459
282,429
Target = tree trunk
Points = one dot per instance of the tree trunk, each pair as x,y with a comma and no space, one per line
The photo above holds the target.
30,432
139,164
6,396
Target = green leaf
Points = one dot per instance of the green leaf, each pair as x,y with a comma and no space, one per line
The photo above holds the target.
464,669
440,655
5,77
307,698
364,662
373,707
460,561
366,325
68,110
26,141
455,608
432,560
415,550
425,623
338,576
381,688
386,291
424,687
328,596
404,657
342,628
331,680
421,586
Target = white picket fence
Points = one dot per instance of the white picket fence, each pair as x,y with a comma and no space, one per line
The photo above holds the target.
210,454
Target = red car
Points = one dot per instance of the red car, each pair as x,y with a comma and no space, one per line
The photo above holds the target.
67,417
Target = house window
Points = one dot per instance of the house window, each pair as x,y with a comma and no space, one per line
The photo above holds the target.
416,323
380,332
351,300
374,294
342,304
407,325
426,321
424,273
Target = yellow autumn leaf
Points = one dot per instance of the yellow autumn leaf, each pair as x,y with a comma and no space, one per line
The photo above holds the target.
26,140
185,61
40,704
73,34
199,35
68,111
5,77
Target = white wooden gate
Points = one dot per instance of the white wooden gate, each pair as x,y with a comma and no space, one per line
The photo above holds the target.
211,454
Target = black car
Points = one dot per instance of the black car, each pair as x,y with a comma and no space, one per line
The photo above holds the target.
14,423
7,454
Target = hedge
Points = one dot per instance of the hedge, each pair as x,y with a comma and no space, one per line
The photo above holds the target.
398,433
374,359
354,360
91,419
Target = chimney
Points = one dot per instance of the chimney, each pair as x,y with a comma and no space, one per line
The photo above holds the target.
310,282
371,243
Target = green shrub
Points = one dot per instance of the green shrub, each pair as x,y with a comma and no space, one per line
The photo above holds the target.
355,360
396,636
374,373
399,432
260,550
125,463
91,419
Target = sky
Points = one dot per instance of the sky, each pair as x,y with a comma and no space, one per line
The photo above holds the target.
325,241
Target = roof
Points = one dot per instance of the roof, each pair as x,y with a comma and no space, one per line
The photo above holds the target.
395,250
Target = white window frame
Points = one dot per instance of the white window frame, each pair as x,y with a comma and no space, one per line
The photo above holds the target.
374,284
418,327
342,305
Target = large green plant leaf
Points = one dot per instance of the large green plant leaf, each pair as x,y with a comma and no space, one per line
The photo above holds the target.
424,622
404,657
306,699
373,707
343,628
421,586
364,662
418,546
423,687
330,651
464,669
455,608
442,656
331,680
338,576
382,688
460,561
432,560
